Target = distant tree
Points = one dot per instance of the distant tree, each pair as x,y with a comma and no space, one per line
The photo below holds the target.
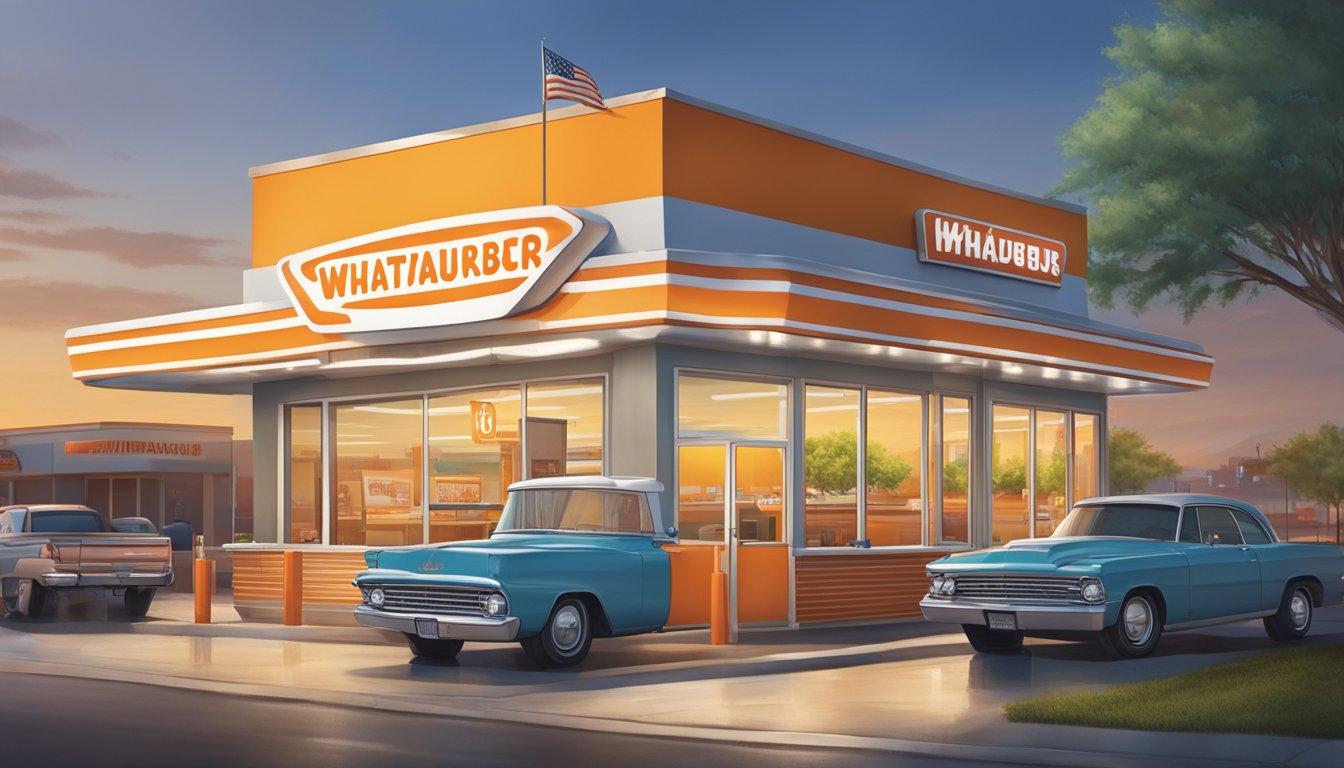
1214,161
832,458
1009,475
1051,478
955,476
1313,463
1134,463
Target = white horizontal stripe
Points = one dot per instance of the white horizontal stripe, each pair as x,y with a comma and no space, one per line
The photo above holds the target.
212,361
169,338
211,313
936,345
781,286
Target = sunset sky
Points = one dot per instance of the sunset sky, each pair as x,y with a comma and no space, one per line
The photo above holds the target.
127,128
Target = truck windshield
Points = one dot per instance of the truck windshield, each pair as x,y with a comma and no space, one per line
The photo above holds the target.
1139,521
66,521
576,509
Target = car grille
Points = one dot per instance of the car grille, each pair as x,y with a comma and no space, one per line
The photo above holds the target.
443,601
1050,589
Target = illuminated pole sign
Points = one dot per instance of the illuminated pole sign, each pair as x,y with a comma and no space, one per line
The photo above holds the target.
957,241
462,269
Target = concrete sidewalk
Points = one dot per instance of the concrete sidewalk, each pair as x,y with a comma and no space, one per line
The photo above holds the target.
908,688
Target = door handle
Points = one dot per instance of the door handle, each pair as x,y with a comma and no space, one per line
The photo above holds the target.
1244,549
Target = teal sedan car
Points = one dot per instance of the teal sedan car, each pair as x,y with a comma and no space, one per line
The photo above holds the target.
1124,569
572,558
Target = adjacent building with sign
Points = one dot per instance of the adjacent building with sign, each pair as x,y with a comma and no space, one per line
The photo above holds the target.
840,364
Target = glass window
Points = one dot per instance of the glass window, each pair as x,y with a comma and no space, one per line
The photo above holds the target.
956,456
1190,526
65,521
759,477
1142,521
564,428
710,407
474,457
579,510
1051,470
1086,466
305,473
894,504
376,493
1217,522
125,497
700,481
1251,532
1009,474
34,490
831,466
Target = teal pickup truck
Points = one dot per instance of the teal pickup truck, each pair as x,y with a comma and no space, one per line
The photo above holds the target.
1124,569
572,558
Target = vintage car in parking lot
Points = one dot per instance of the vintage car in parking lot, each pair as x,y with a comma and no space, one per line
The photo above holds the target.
572,558
1124,569
49,548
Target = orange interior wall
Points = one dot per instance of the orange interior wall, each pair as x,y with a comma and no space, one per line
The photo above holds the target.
592,159
719,160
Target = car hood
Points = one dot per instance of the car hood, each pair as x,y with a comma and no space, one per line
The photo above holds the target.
480,559
1048,554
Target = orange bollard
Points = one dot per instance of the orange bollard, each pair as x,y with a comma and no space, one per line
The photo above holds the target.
293,588
718,601
203,585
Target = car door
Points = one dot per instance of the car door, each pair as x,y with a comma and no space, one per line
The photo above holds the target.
1224,571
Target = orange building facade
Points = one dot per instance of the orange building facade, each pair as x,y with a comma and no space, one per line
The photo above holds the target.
839,364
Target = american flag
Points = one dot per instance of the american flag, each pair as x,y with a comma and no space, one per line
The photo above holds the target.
564,80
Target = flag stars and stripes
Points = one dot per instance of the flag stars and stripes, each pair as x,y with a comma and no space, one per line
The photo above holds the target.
565,80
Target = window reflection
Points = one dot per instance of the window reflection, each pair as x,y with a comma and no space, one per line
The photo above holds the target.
831,466
956,455
564,423
894,501
710,407
1009,474
1051,470
473,457
376,491
1085,464
305,473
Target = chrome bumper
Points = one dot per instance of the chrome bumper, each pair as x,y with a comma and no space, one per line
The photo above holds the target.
500,630
1075,618
106,580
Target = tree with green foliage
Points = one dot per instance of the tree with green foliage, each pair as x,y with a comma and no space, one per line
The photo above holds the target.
1313,463
1134,463
1214,162
1051,478
1009,475
831,462
956,476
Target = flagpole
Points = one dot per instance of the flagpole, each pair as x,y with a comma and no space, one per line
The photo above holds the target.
543,121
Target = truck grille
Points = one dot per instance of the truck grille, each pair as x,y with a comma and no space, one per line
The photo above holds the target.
443,601
1050,589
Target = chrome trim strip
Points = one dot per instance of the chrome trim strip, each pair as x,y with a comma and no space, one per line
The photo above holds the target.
1084,618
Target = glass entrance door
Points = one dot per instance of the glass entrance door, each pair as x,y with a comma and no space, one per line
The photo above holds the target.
755,520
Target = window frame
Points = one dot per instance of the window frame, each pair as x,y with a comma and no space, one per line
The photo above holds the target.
1070,456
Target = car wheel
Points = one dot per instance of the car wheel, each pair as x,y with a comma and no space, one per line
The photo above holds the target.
1293,620
137,600
1136,632
986,640
430,648
566,637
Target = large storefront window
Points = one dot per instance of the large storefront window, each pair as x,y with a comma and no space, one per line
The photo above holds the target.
1085,464
895,501
474,440
710,407
305,473
564,422
1009,474
376,489
831,466
955,454
1051,470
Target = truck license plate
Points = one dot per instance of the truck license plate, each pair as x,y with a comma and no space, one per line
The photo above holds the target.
1001,620
428,628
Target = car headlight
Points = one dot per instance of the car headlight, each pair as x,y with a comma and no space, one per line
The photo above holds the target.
936,585
377,597
1093,591
949,586
496,604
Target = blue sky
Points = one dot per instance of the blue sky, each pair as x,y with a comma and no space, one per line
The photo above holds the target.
140,120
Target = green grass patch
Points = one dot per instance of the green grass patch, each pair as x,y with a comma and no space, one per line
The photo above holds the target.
1283,693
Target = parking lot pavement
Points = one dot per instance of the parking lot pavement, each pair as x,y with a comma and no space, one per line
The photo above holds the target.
879,684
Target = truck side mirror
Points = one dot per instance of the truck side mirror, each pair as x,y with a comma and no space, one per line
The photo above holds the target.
671,531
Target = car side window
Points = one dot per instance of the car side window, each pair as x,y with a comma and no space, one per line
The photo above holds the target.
4,523
1251,531
1189,526
1216,526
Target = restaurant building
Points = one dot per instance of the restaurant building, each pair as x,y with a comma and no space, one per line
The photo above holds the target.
839,364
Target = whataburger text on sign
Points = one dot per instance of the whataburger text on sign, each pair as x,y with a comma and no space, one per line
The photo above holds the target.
961,242
462,269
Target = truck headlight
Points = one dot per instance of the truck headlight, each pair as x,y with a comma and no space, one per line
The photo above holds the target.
1093,591
377,597
496,604
936,585
949,586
